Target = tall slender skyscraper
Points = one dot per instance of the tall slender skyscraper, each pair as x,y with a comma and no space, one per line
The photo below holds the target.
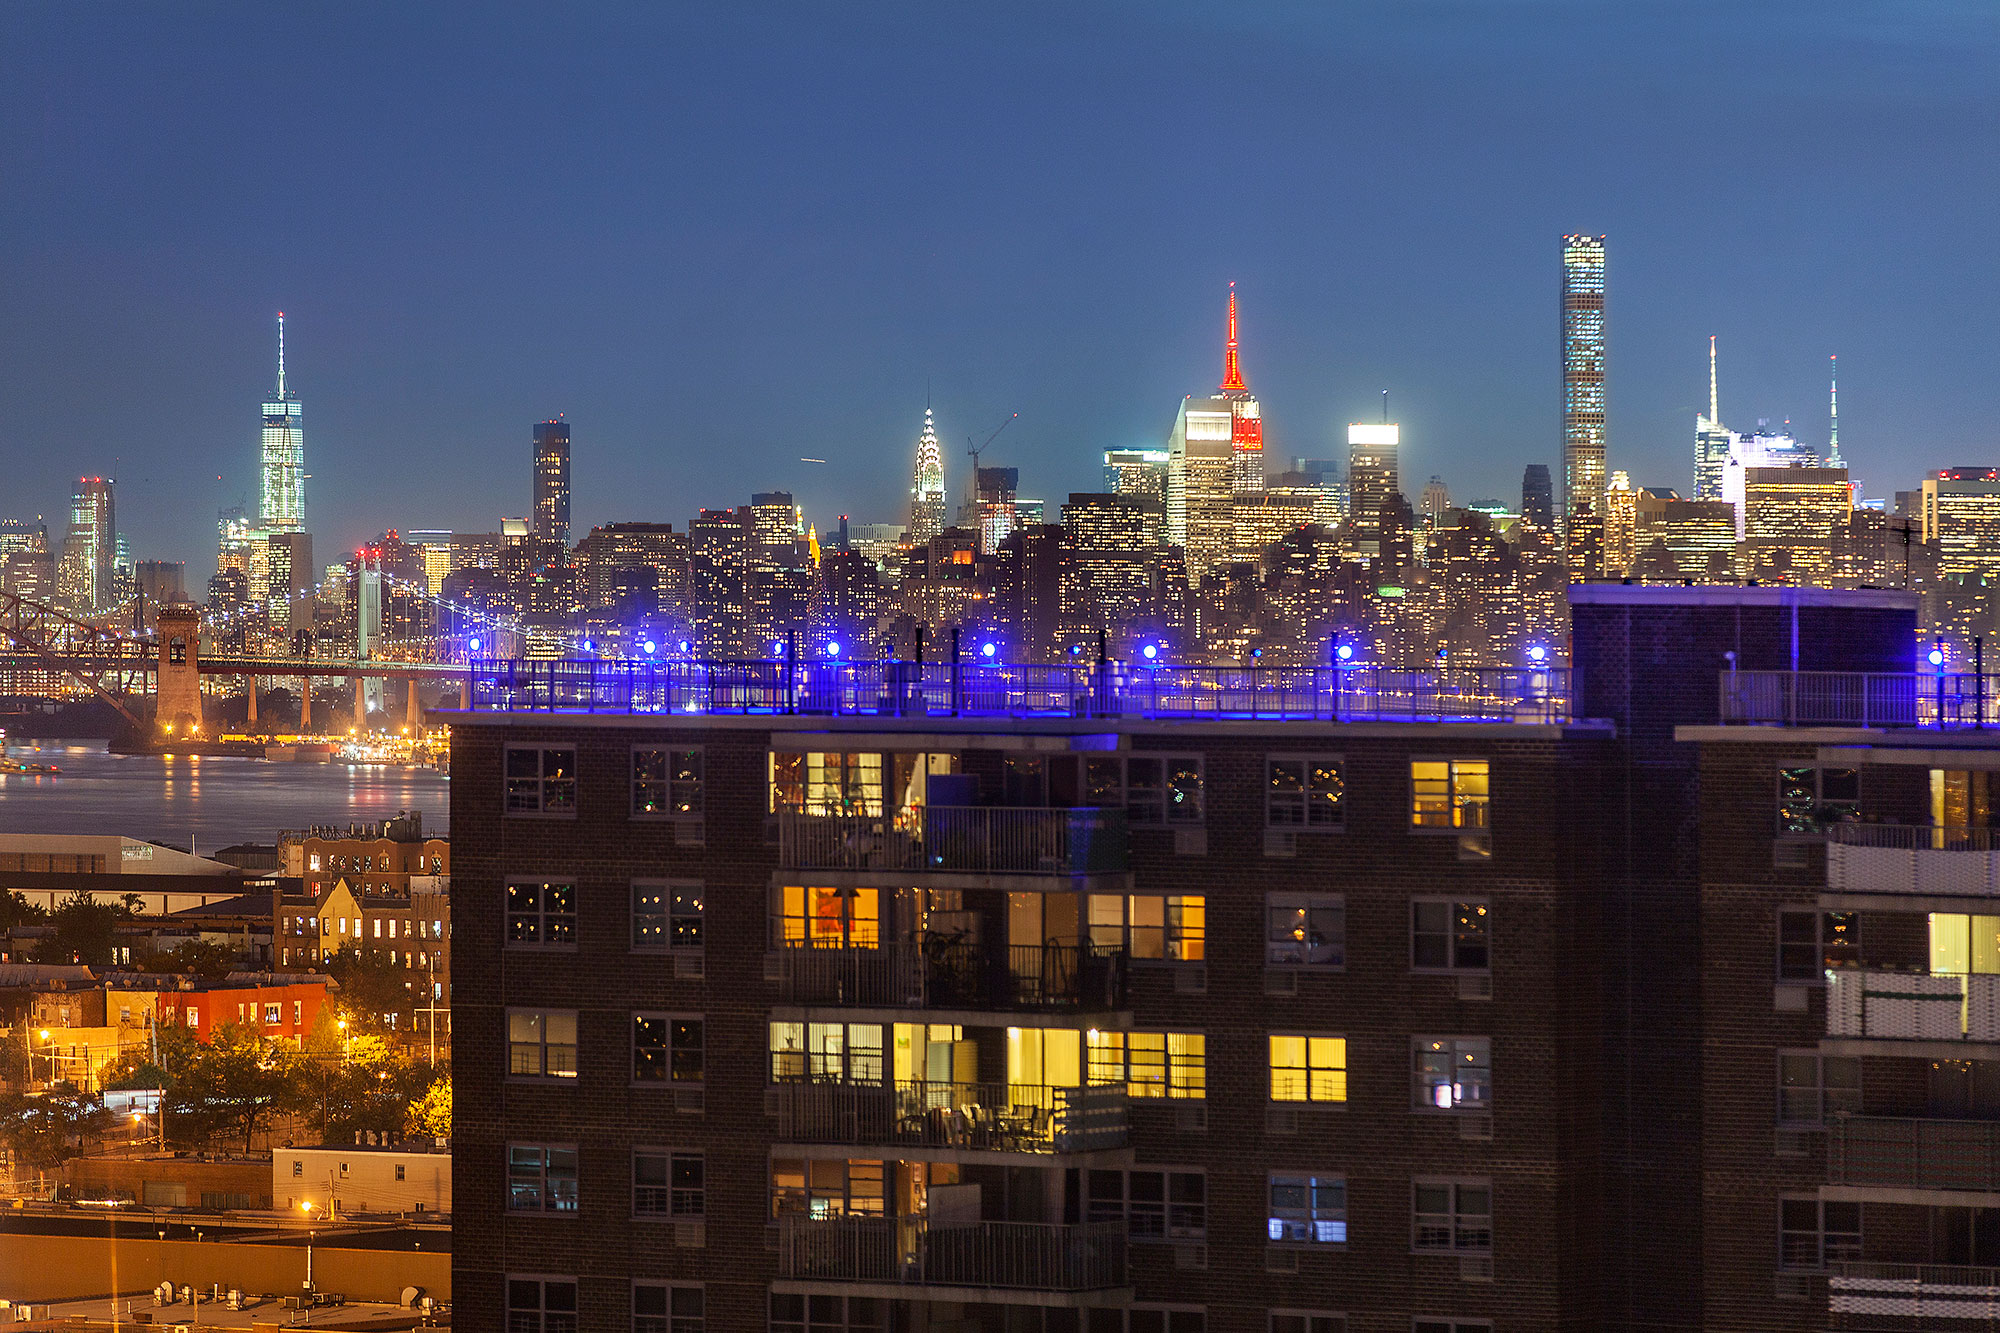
1583,375
1711,440
927,490
1833,458
552,480
1215,453
284,454
84,573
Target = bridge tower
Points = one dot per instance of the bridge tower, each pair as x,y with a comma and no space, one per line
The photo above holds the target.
177,705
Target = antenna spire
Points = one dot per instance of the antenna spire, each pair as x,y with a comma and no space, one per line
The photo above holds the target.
1833,412
1385,407
281,356
1714,407
1232,368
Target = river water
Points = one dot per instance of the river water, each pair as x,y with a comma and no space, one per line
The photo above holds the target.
215,801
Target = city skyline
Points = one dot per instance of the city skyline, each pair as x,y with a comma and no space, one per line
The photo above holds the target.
700,373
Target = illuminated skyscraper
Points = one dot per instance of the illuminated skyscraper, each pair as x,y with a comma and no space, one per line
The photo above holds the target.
1961,518
1791,516
1621,517
1537,497
552,480
1215,453
1371,481
84,574
1583,375
284,454
1711,441
927,490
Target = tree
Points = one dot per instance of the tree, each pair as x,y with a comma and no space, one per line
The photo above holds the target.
174,1048
233,1084
43,1131
371,986
431,1113
16,910
85,931
201,958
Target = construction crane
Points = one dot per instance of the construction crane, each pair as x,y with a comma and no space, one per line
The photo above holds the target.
972,481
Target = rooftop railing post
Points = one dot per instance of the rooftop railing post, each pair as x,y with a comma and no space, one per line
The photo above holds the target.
1979,682
954,671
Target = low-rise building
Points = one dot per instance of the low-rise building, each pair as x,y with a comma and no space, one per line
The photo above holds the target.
337,1179
280,1005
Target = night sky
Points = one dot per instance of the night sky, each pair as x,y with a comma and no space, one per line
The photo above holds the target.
720,238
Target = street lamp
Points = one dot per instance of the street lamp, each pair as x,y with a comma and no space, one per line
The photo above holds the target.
346,1042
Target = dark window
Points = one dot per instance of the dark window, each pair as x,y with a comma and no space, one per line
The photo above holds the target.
1813,1234
666,1049
541,915
1452,1215
1304,793
541,1179
667,1184
1810,941
1449,936
660,1308
541,1305
541,780
667,782
1811,797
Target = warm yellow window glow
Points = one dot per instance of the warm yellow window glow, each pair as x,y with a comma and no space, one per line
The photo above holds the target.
1308,1069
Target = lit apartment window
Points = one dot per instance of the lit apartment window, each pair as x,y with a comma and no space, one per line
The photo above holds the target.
1171,927
828,918
1150,1064
1304,793
828,1188
666,1049
1153,1205
666,916
826,1053
541,1043
1154,789
541,780
1447,936
1308,1069
668,1184
1307,1210
1448,793
541,1178
541,1305
1305,930
541,915
1452,1073
660,1307
1452,1216
827,783
667,784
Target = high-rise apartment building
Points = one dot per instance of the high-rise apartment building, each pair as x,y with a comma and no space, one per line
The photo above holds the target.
1372,481
1108,542
777,531
1792,517
927,487
1959,511
1137,472
1538,505
552,480
283,471
1215,452
718,581
1583,421
1677,539
995,510
85,571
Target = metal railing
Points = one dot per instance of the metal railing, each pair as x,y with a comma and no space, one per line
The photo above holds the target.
1911,1153
1905,858
942,689
974,1117
1865,1297
975,839
1943,700
943,972
1021,1256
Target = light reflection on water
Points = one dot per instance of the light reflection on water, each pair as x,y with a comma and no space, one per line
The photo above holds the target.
217,800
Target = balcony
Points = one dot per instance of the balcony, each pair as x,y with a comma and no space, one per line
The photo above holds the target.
1913,1296
958,839
946,973
966,1117
1944,701
1913,859
1909,1153
1912,1006
997,1256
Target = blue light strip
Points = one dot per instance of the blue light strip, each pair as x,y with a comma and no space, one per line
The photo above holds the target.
940,689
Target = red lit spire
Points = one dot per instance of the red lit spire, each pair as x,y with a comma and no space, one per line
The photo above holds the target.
1232,369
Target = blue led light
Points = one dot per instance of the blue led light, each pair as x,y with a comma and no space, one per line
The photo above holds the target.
650,647
1537,653
1151,650
1937,657
684,646
833,649
988,650
475,645
1344,652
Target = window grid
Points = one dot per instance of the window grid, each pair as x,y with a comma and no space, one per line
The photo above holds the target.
1452,1216
541,1178
1447,936
1304,792
661,1307
541,915
666,1048
1307,1209
666,1183
541,780
1308,1069
666,915
1812,1088
541,1043
541,1305
1452,1073
1305,930
667,783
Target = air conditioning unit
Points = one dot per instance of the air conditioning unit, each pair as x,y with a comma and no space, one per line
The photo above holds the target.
1475,1268
690,1101
774,1101
1191,1118
1793,1143
1476,986
1794,1287
1281,1120
1475,1126
1281,1261
1190,842
690,833
690,966
1189,1255
1191,979
1280,981
1282,842
691,1235
774,967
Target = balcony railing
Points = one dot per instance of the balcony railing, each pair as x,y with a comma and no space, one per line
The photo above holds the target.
1905,1296
1904,858
974,1117
949,973
988,689
958,839
1947,701
1912,1006
1909,1153
1019,1256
